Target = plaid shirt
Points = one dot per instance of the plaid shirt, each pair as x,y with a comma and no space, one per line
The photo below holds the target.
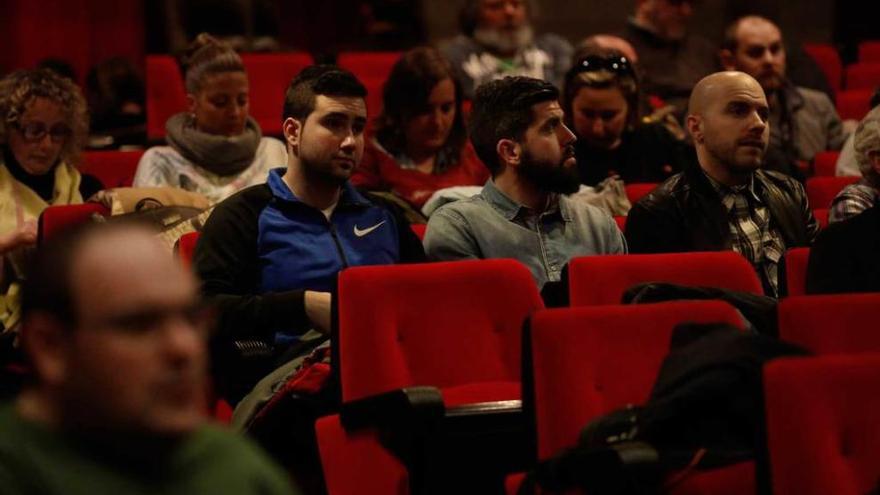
852,200
751,231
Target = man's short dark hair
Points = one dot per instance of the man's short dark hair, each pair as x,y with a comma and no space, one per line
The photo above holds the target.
502,109
327,80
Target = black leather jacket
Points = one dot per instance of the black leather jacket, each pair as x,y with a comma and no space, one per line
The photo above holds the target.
685,213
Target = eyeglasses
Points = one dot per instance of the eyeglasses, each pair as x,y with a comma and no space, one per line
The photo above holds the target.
617,64
35,131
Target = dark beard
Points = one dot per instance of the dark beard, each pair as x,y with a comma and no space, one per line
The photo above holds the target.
316,174
550,177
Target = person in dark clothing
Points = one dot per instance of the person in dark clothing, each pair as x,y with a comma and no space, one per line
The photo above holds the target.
727,202
601,103
846,256
268,255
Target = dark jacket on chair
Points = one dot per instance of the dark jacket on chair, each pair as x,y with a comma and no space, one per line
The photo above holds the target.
685,213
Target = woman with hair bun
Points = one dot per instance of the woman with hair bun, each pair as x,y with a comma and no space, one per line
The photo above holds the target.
215,148
421,144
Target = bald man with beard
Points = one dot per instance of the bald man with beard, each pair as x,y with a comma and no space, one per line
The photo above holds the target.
728,201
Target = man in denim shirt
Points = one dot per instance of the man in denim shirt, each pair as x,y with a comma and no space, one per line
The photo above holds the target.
517,130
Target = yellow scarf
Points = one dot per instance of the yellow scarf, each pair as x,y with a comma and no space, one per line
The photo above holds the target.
18,204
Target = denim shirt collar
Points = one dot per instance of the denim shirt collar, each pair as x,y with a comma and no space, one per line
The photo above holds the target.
280,189
510,209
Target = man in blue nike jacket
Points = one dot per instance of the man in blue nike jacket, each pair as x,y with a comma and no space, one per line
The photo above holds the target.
268,255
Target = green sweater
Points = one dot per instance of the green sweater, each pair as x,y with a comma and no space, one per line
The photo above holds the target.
36,460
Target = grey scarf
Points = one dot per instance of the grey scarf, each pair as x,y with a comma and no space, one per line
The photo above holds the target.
222,155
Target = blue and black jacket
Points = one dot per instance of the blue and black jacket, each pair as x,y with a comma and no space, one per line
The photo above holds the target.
262,248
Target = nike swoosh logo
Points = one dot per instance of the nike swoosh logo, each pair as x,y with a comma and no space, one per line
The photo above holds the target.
360,233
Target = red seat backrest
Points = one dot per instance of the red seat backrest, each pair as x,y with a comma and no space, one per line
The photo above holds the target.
56,218
589,361
372,69
419,229
635,192
186,247
269,75
822,428
825,163
828,59
863,75
441,324
112,168
821,215
822,190
854,103
596,280
869,51
796,270
826,324
166,94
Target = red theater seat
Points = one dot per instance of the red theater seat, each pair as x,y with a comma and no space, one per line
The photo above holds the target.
186,247
56,218
455,326
854,103
796,270
823,433
822,190
589,361
112,168
596,280
825,163
635,192
869,51
863,75
269,75
821,215
830,324
166,94
828,59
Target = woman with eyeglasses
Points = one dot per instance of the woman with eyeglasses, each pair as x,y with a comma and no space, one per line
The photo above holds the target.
215,148
421,144
43,128
601,102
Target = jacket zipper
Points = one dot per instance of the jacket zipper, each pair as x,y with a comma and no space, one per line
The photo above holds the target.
338,244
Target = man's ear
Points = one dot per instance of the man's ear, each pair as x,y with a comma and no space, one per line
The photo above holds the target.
728,61
694,124
46,340
509,151
292,130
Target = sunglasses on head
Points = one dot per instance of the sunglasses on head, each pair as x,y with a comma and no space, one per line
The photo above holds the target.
617,64
36,131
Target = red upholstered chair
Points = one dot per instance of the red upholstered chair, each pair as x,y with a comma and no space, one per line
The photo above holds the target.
56,218
796,270
635,192
589,361
822,190
869,51
822,428
829,61
854,103
269,74
372,68
186,247
455,326
821,215
166,94
831,324
419,229
621,222
597,280
863,75
112,168
825,163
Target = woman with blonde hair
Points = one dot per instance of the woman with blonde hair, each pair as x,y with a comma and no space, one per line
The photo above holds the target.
43,128
215,148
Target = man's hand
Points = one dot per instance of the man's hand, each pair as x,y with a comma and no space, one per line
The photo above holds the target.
23,235
318,309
